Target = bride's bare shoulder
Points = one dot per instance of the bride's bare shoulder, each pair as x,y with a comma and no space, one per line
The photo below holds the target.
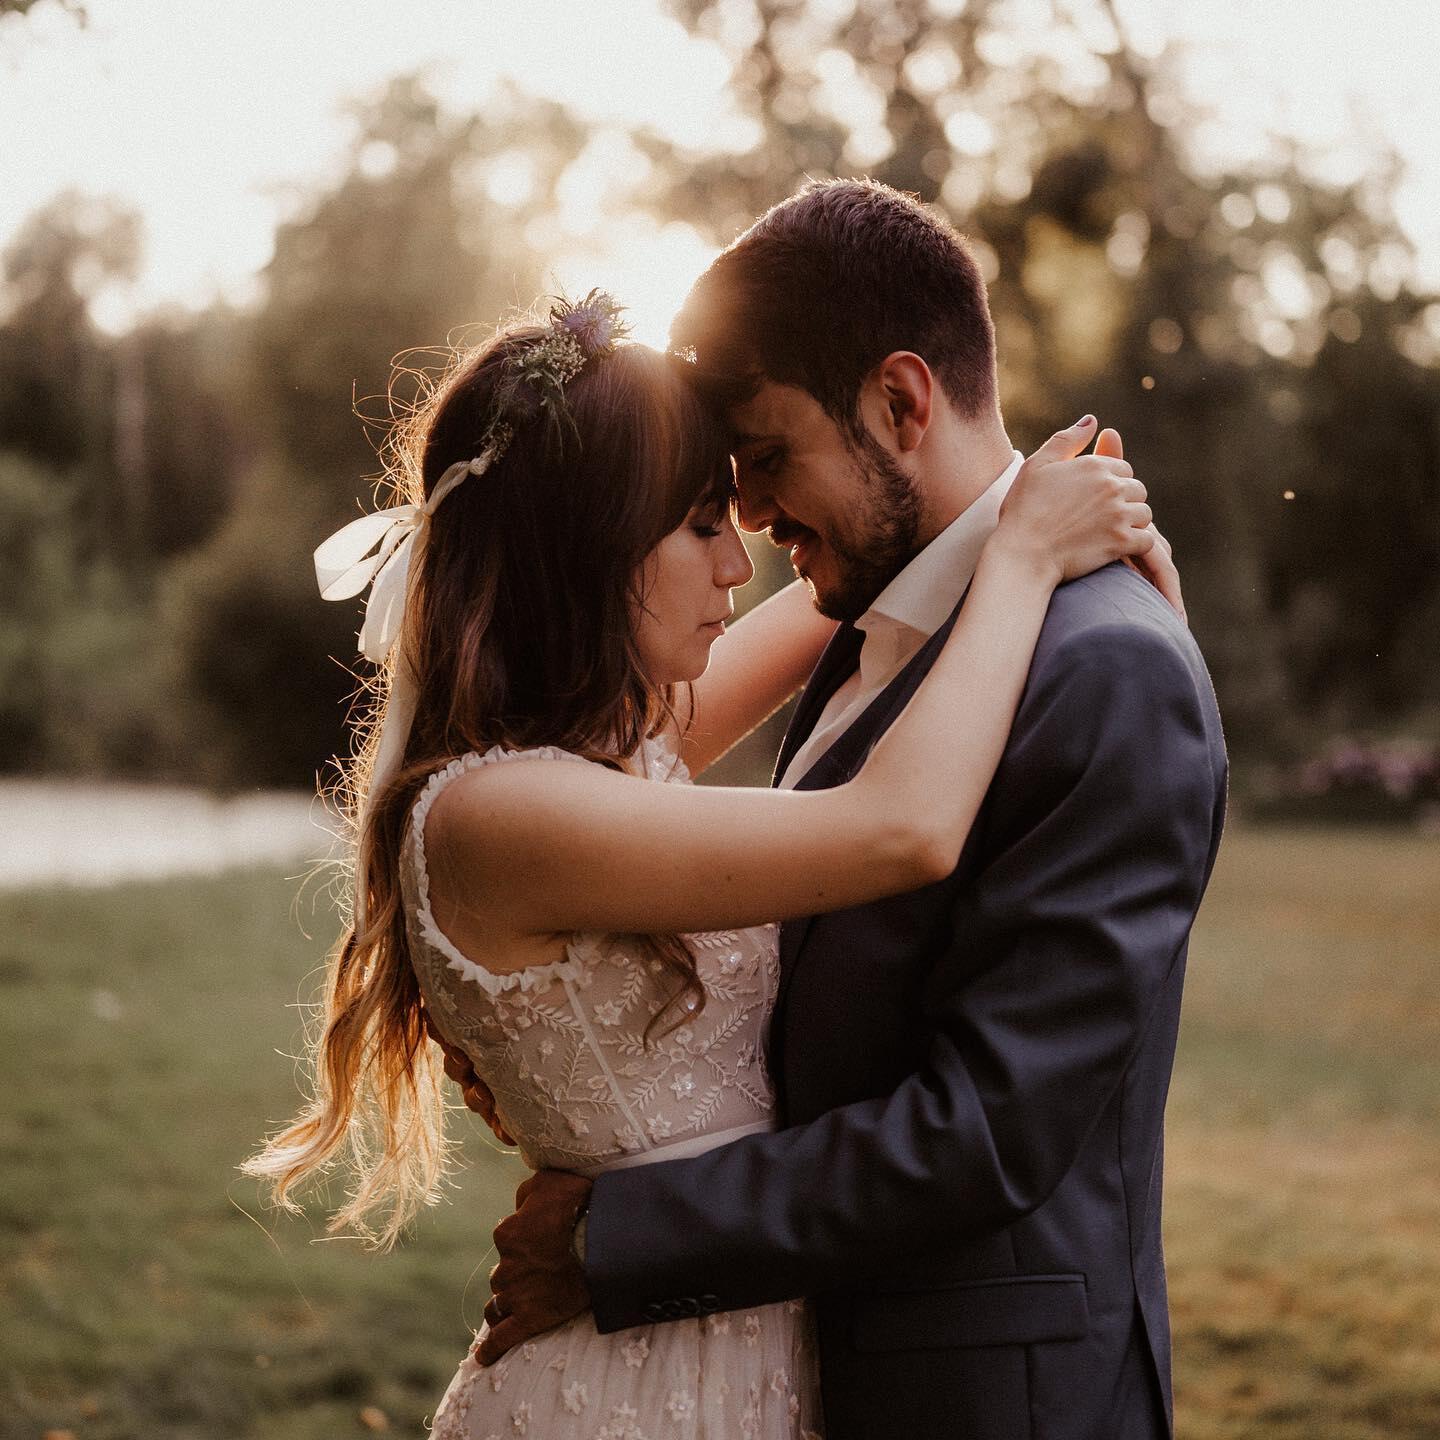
509,795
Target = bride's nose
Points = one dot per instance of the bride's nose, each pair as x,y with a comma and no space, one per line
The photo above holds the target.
733,565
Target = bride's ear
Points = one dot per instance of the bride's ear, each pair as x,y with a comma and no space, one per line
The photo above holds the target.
897,400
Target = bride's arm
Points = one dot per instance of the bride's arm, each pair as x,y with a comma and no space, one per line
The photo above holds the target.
760,662
543,848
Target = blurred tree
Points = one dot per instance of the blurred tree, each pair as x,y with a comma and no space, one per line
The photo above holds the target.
372,288
57,376
407,250
259,700
1252,334
180,435
78,684
161,490
140,419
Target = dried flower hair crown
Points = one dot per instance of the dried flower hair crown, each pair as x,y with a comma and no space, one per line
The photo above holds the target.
540,369
378,549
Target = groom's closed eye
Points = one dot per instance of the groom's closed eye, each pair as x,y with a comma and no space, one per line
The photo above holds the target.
768,461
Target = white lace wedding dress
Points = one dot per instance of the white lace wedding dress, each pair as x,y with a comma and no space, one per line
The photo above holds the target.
562,1047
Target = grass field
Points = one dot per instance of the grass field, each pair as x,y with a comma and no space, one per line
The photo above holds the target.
145,1293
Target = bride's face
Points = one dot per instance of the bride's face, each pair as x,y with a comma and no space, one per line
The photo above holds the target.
685,594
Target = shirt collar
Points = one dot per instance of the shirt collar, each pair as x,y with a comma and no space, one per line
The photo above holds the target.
921,597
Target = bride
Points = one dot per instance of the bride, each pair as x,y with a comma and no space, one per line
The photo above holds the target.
535,879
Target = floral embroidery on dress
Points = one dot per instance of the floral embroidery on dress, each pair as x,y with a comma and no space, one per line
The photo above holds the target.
581,1086
622,1424
563,1045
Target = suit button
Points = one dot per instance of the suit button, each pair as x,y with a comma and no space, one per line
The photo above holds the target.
653,1313
689,1308
709,1304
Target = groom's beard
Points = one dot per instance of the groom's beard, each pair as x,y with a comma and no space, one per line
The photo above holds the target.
877,544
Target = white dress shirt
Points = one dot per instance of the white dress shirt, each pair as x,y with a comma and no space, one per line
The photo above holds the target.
906,613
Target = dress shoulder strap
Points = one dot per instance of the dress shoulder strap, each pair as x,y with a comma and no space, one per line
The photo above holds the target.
530,978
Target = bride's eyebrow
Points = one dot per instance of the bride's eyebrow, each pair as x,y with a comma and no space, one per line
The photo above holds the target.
739,439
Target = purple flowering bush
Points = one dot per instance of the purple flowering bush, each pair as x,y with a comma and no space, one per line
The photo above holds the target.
1359,780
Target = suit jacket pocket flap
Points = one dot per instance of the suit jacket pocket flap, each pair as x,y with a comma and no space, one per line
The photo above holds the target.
1011,1310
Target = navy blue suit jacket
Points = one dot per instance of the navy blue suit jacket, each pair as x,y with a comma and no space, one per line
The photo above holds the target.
972,1077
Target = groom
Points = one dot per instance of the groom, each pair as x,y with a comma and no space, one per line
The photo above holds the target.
972,1077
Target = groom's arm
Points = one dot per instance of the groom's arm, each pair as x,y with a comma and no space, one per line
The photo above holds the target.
1102,832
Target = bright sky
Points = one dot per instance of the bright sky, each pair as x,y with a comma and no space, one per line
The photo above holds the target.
209,124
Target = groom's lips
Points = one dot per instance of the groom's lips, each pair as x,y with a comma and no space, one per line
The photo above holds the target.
801,542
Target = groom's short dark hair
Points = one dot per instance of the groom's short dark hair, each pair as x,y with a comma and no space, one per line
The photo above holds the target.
825,285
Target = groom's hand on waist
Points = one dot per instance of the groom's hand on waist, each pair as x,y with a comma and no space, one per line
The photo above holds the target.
539,1282
461,1069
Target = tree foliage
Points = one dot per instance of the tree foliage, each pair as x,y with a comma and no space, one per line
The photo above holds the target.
197,460
1254,334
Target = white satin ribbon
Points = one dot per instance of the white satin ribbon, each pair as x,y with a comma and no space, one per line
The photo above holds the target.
378,550
345,564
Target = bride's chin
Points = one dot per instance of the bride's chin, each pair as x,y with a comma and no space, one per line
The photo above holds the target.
692,671
680,669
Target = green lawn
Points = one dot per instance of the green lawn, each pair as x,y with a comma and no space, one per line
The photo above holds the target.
1303,1167
144,1043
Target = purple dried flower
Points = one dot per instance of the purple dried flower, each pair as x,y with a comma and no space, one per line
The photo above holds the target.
592,326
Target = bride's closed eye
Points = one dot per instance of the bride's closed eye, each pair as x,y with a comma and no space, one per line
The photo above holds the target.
707,520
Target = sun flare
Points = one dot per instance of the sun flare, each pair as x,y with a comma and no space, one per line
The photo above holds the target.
646,266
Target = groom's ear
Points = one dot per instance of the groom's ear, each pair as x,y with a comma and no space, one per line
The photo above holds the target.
901,393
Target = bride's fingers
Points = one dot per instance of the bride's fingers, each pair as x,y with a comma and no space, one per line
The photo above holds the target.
1065,444
1157,566
1109,443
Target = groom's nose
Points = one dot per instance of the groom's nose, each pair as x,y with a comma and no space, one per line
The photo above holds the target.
754,507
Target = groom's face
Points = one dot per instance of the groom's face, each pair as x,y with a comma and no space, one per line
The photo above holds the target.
847,512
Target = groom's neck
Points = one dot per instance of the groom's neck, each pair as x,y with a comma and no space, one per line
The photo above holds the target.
964,460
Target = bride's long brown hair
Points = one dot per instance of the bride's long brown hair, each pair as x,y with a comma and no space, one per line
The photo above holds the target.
520,630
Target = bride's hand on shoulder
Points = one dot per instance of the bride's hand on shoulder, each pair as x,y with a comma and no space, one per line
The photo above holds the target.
1157,565
1070,513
